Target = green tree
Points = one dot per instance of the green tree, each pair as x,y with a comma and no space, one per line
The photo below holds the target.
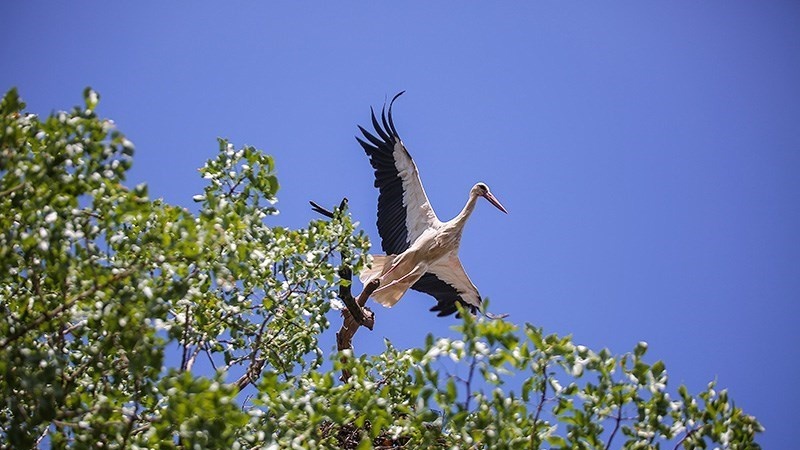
97,280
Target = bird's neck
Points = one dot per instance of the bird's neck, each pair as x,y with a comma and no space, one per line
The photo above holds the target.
461,218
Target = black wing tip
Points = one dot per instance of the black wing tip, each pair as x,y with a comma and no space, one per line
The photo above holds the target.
448,308
443,310
370,137
387,132
391,122
368,148
395,98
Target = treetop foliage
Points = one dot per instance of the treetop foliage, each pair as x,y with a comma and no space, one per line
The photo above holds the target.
100,284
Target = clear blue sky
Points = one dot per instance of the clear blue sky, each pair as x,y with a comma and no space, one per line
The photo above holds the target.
648,152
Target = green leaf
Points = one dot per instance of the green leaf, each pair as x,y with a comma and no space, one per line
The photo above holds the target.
557,441
98,282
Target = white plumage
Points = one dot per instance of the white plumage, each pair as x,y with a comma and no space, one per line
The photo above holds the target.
421,251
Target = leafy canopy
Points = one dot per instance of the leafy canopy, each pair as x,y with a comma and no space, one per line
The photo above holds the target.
99,284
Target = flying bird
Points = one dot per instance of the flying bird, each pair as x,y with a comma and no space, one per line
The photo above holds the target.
421,251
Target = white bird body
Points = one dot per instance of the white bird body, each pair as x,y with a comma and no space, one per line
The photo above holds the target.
435,247
422,250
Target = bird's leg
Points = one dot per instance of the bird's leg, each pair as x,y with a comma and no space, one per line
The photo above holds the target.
403,259
394,266
416,272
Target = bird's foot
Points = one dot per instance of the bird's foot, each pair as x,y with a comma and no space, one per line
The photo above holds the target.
491,316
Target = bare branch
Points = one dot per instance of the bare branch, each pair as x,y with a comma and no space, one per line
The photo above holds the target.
356,314
617,420
686,436
256,363
185,339
12,189
468,382
252,373
42,436
207,350
344,338
193,357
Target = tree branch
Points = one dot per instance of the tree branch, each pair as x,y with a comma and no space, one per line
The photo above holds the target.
12,189
253,371
256,363
356,314
618,419
535,442
689,434
355,307
193,357
185,339
468,382
344,338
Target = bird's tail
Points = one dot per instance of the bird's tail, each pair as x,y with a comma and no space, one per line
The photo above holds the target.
380,264
392,291
393,287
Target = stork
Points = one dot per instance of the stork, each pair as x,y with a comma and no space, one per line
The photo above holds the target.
421,251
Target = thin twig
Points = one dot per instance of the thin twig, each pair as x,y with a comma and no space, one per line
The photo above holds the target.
256,363
687,436
534,435
41,436
468,382
133,417
210,358
618,419
12,189
185,338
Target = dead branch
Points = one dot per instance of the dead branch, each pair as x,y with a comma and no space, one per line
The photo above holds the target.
356,314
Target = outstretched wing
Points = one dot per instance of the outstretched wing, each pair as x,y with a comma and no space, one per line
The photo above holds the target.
404,211
449,284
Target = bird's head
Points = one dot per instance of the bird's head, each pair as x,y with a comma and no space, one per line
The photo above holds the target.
482,190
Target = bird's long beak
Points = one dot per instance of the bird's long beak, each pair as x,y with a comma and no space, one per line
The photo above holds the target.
493,200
